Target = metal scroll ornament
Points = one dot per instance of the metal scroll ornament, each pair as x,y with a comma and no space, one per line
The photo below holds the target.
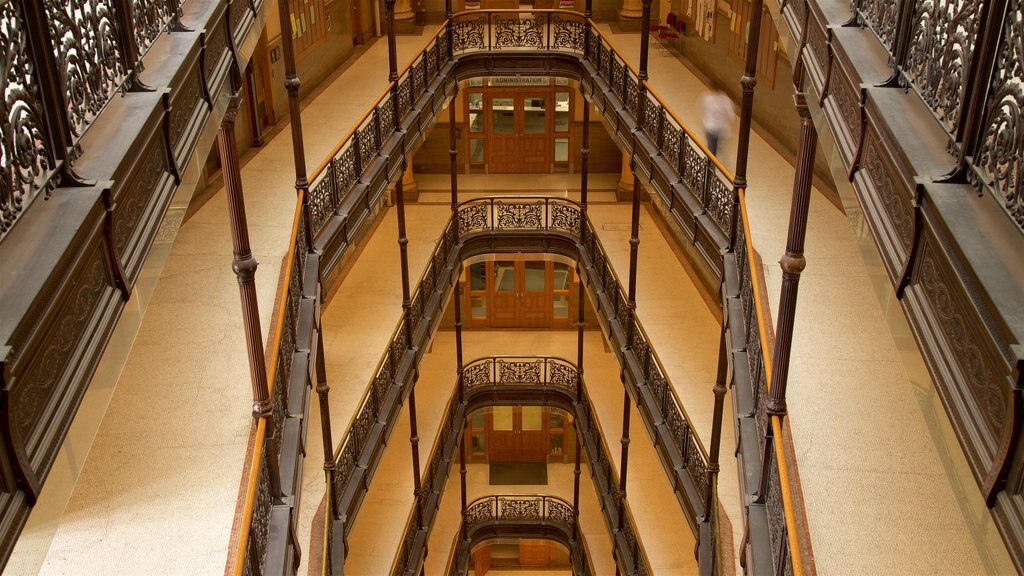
513,372
519,508
27,161
519,214
150,18
565,217
516,33
569,33
999,159
468,34
880,17
940,51
83,34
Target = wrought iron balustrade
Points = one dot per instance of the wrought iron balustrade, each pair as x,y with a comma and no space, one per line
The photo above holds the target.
963,58
676,157
486,381
65,62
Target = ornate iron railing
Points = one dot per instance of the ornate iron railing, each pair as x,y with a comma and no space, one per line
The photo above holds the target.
767,471
65,61
354,155
968,74
679,153
509,213
359,449
482,378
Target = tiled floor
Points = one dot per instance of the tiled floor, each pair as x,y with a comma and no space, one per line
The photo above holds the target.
884,483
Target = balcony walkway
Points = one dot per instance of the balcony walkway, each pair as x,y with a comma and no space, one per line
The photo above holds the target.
885,486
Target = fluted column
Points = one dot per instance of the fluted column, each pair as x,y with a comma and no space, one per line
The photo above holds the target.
793,261
747,84
244,264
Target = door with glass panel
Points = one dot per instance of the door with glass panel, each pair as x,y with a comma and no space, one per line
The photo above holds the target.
506,294
519,131
513,292
518,434
534,133
502,145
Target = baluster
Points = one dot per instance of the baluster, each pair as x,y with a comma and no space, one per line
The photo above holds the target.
547,30
358,153
661,130
489,31
129,48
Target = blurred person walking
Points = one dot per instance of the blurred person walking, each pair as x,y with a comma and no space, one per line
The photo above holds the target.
718,116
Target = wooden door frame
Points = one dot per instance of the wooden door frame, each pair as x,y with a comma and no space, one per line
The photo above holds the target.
489,291
518,92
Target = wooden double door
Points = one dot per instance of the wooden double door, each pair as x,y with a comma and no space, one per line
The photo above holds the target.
518,434
513,291
519,129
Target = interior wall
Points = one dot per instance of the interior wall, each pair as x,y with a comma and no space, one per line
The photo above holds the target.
318,62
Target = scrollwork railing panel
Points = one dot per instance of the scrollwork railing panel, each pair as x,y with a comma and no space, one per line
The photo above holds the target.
941,44
880,16
519,372
562,374
518,214
150,17
526,31
719,203
998,160
568,33
469,33
519,508
27,158
87,49
565,217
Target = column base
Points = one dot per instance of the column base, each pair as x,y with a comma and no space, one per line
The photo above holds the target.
410,193
624,193
408,27
629,20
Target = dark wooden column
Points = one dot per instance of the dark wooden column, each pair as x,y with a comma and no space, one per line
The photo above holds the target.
747,83
580,298
453,154
403,247
721,381
793,261
292,84
576,488
244,264
625,464
634,244
322,390
462,473
458,337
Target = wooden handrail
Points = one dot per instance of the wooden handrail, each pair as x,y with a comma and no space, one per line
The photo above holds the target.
376,102
442,28
786,488
348,136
